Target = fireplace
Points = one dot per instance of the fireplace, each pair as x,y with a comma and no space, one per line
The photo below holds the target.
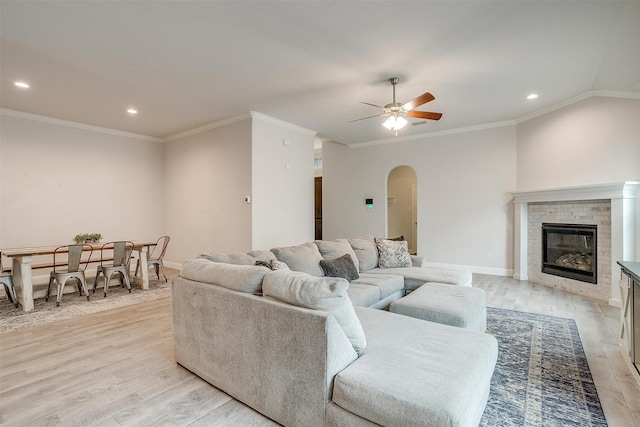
570,250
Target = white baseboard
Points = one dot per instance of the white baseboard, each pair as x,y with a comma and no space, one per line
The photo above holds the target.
506,272
521,277
174,265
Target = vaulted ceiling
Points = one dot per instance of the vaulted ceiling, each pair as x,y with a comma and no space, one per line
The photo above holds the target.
185,64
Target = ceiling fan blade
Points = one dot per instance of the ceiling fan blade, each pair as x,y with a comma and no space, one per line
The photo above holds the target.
370,117
416,102
373,105
424,115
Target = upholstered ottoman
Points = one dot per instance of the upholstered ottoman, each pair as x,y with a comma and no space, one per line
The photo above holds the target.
460,306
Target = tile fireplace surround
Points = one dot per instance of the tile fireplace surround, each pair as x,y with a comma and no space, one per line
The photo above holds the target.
610,206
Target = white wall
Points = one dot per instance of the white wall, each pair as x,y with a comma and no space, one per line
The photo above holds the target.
282,184
465,213
594,141
58,180
464,206
207,176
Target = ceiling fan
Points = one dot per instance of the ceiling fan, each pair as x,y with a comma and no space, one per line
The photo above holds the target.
397,111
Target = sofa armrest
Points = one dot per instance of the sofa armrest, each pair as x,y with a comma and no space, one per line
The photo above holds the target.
277,358
418,261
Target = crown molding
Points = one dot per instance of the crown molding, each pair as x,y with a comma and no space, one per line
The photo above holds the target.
578,98
77,125
541,112
208,127
434,134
244,116
282,123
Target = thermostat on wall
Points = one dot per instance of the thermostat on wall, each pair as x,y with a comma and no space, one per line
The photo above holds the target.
368,203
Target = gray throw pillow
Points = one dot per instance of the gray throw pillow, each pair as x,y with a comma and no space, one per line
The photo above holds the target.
393,254
340,267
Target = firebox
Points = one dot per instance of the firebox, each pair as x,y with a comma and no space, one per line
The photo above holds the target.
570,250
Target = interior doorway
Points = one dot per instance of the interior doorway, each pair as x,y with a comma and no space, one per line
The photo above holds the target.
402,205
317,191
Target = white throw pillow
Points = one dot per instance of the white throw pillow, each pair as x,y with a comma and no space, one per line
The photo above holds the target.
318,293
393,253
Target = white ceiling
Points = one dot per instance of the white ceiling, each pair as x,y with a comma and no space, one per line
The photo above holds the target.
186,64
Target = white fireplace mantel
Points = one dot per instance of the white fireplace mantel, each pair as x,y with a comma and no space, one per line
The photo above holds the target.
587,192
622,196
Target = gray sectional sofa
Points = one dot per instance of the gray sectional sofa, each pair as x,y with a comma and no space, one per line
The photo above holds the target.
297,348
375,287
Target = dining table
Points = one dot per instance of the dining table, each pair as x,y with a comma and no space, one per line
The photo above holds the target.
22,258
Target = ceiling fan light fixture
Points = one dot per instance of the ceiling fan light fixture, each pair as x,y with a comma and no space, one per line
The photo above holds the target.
395,123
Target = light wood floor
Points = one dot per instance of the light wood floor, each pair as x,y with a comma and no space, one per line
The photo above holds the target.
116,367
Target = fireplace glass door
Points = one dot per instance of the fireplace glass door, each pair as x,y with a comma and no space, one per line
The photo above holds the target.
569,250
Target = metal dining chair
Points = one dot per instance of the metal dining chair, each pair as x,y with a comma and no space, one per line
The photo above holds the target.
7,281
156,257
121,256
75,269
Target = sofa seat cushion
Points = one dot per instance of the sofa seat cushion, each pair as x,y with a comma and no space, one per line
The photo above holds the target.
304,257
414,277
417,373
387,283
241,278
461,306
363,295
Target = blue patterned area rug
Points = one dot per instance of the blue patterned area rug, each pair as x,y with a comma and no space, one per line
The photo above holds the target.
542,377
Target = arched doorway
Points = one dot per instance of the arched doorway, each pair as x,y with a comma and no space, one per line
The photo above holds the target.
402,205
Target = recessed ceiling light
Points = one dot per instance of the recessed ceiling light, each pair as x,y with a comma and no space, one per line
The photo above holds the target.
132,111
22,84
532,96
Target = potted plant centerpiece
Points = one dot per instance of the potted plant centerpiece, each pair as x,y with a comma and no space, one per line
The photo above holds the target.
87,238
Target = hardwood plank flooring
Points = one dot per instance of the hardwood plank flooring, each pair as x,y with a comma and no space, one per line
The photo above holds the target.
116,367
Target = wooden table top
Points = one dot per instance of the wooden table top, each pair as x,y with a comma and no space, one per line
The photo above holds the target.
48,250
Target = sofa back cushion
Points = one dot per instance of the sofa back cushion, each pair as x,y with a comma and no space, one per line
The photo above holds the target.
366,252
305,258
241,278
318,293
249,258
332,249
